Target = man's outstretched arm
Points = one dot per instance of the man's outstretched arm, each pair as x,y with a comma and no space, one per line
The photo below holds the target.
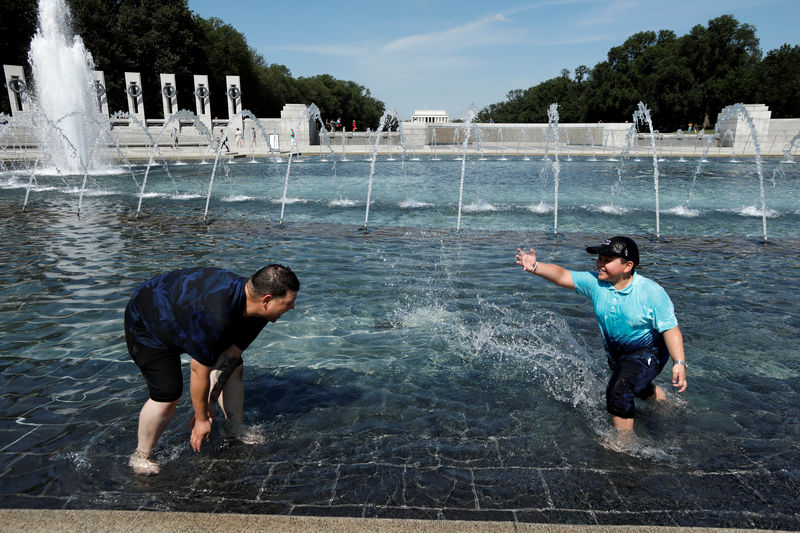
552,273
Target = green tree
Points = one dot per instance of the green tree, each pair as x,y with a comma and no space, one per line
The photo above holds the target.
341,99
681,79
777,81
164,36
719,56
17,24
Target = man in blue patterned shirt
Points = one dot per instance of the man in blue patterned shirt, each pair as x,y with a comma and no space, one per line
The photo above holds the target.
213,315
636,318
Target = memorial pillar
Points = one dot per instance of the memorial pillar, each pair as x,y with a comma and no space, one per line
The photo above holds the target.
17,88
202,100
100,91
234,94
169,95
133,90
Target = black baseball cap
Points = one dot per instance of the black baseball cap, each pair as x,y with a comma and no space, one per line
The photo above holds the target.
619,246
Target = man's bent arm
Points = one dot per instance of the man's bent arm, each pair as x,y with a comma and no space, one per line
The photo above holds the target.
228,361
673,338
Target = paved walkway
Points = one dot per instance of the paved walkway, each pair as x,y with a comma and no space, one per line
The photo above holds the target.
34,521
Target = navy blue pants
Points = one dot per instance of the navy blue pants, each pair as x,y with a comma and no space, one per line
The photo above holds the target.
632,377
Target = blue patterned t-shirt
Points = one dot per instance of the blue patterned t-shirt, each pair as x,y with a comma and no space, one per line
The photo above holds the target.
199,311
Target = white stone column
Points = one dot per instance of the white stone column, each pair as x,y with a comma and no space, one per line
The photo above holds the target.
735,132
17,88
133,90
295,117
202,100
233,92
169,95
101,92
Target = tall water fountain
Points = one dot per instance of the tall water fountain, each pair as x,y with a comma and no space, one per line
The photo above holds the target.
66,116
552,131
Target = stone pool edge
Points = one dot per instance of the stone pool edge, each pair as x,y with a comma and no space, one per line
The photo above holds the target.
46,520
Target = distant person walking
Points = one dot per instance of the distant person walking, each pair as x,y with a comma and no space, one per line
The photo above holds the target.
223,140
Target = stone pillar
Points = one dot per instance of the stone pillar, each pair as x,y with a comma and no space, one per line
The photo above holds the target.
133,90
202,100
169,95
233,91
295,117
100,90
17,89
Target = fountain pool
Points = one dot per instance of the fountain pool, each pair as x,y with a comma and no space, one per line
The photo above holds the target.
422,374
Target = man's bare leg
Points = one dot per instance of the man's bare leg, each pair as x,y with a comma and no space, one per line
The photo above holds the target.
659,400
231,400
153,420
622,424
621,438
658,396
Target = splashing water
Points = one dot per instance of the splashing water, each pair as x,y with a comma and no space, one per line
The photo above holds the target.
467,128
741,111
383,123
312,112
642,114
552,131
156,150
65,91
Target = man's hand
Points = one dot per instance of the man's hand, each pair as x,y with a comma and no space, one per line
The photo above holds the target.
203,409
526,261
212,414
674,340
200,431
679,377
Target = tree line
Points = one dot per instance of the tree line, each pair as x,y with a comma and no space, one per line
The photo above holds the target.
164,36
682,80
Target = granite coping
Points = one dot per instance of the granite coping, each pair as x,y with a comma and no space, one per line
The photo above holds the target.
37,520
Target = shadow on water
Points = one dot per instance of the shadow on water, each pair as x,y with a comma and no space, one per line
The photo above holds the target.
299,391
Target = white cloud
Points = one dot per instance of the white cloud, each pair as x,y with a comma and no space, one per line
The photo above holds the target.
477,33
549,3
323,49
611,14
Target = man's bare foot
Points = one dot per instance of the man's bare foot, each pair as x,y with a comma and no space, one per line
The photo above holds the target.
142,465
619,440
247,437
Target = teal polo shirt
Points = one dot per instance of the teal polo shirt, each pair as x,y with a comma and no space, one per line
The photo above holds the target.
632,318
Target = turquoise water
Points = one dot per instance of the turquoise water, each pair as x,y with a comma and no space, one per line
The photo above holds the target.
422,373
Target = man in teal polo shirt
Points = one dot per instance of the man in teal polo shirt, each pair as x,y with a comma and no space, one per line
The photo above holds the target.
636,318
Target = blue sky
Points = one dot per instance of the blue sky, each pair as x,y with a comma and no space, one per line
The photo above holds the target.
437,54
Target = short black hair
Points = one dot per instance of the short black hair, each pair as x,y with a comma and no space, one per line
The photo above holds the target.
274,279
